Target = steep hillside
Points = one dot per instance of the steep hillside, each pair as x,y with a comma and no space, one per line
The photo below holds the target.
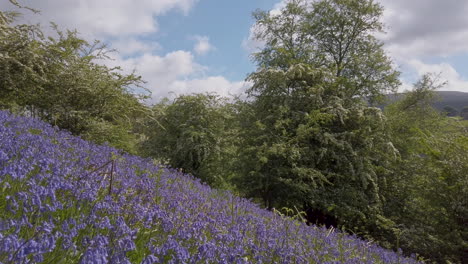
65,200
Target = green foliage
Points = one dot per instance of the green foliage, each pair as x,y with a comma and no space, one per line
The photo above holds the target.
305,138
450,111
60,81
195,133
464,113
333,34
303,145
309,138
426,193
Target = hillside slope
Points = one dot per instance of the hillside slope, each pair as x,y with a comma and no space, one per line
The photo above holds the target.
65,200
456,100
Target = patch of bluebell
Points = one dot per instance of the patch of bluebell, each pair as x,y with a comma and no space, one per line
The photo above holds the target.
67,200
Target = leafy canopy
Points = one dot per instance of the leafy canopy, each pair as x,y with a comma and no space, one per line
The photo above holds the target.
310,128
63,81
195,133
336,35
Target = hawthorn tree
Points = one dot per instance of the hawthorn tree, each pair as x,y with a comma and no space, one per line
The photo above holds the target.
336,35
310,139
59,80
195,133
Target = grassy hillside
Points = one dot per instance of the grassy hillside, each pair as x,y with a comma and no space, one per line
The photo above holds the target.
65,200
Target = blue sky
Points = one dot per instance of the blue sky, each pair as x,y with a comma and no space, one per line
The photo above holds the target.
186,46
226,23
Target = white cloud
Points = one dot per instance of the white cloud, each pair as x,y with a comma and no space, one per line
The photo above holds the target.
103,18
417,27
426,27
421,29
217,84
455,82
132,46
418,30
160,71
122,23
174,74
202,45
250,43
276,10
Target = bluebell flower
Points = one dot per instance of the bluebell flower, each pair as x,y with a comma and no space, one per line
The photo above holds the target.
62,198
150,259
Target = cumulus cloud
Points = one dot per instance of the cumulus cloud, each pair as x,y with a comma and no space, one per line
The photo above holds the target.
426,27
132,46
159,71
217,84
455,82
202,45
103,18
416,27
122,24
174,74
250,43
421,29
417,30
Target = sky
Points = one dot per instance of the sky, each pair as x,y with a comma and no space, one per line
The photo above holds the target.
192,46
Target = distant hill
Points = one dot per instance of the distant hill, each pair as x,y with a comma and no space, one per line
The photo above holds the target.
456,100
